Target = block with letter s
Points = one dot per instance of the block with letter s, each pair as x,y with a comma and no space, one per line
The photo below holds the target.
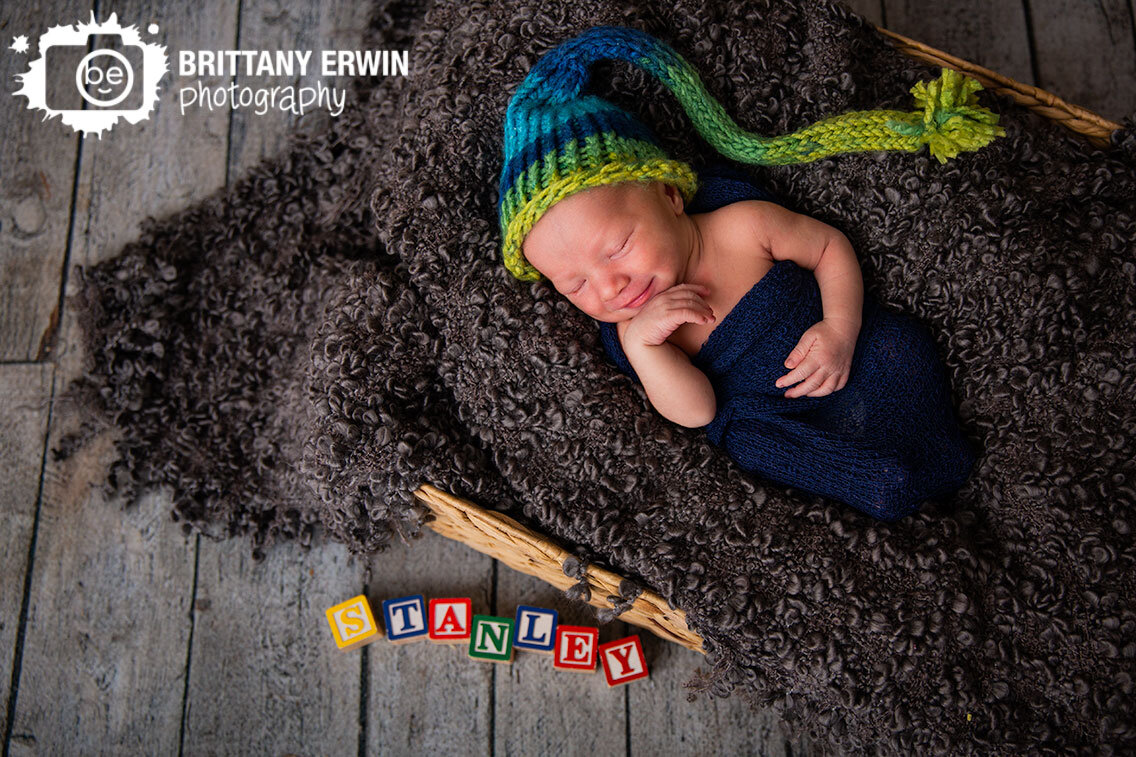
352,623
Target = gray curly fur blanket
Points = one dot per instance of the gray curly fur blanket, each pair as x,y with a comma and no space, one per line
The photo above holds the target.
311,345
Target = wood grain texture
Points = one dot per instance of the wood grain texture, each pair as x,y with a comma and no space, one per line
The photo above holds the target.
541,710
259,630
265,674
663,722
25,394
426,698
108,621
37,164
1086,52
992,34
279,25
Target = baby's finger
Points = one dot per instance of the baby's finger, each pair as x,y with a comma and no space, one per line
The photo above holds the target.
805,368
691,303
683,295
808,385
827,388
682,315
688,296
705,290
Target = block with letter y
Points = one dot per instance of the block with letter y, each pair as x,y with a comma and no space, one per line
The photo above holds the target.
623,660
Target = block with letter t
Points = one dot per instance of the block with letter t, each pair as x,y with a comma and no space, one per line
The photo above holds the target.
405,619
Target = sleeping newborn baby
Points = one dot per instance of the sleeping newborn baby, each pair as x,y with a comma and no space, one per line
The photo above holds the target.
739,316
627,254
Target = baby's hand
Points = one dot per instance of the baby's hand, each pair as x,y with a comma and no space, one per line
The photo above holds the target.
668,310
822,357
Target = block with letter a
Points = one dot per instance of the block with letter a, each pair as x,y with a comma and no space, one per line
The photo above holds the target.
623,660
450,619
352,623
576,648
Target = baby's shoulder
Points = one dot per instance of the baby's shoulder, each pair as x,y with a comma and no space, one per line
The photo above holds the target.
743,209
740,227
757,214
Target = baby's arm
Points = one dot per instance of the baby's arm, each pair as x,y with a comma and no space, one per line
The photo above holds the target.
822,359
678,391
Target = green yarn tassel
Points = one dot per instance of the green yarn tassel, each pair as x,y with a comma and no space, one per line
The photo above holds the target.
951,121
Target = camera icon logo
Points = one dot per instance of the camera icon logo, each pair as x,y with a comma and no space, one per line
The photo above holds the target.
91,75
104,79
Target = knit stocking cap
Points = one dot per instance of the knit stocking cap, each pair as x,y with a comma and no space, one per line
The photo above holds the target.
559,141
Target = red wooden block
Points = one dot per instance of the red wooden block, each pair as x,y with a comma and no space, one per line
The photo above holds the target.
450,620
623,660
576,648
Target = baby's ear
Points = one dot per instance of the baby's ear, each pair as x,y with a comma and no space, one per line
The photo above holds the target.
673,196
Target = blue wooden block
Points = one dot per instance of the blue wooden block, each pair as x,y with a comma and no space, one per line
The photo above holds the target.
405,618
535,629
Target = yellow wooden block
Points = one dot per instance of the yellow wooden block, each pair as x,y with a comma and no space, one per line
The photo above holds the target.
352,623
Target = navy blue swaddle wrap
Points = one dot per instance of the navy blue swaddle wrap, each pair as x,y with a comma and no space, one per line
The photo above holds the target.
883,444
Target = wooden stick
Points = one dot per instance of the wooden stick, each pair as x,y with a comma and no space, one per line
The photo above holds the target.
1080,120
522,549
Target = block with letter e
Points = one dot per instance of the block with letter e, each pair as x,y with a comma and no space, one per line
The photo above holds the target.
623,660
576,648
491,639
352,623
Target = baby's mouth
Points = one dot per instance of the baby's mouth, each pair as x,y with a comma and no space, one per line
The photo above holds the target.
642,298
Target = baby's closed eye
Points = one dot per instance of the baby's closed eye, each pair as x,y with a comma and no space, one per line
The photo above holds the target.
622,248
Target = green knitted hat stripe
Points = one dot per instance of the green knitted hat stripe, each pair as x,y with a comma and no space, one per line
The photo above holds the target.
559,139
950,121
569,158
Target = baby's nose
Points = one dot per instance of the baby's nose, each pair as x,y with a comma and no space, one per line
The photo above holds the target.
612,289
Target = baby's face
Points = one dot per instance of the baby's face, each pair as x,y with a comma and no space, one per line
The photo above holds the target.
612,248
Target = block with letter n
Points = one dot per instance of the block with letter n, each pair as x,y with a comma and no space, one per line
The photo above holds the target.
491,639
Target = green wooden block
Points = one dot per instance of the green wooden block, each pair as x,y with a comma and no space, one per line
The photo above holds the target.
491,638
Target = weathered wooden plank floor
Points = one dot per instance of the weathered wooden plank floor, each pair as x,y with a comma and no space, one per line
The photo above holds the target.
118,634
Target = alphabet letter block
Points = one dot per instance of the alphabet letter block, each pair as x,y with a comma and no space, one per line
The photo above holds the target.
492,639
576,648
623,660
536,629
405,619
352,623
449,620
